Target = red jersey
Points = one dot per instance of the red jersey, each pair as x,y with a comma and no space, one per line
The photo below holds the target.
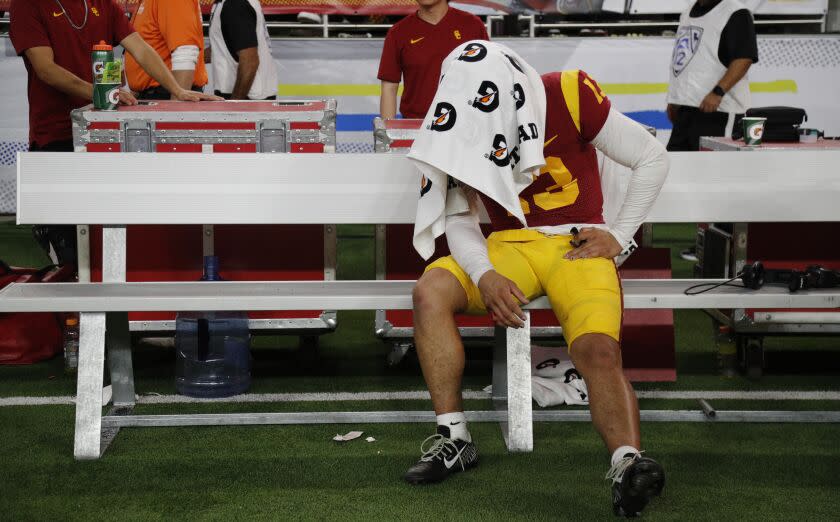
568,188
41,23
414,50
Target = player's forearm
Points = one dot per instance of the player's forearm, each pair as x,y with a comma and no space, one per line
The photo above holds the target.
63,80
735,73
628,143
184,78
151,62
388,100
249,62
468,245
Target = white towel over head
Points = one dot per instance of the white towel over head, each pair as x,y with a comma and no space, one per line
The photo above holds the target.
485,129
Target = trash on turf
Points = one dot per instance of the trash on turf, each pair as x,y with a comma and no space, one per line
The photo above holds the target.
348,436
370,439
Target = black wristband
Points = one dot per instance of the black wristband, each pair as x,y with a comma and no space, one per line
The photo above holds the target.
719,90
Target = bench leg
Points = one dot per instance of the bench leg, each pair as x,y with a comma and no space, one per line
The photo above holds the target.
89,386
83,252
512,385
119,359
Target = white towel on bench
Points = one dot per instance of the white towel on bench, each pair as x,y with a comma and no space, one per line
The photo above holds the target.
554,379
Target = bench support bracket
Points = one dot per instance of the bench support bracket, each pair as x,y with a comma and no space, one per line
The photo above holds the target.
86,445
119,359
512,385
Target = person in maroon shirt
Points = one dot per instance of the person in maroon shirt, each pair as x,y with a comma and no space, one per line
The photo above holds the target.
55,39
413,51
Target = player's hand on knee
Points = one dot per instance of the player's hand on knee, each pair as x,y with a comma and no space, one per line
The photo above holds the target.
594,242
502,298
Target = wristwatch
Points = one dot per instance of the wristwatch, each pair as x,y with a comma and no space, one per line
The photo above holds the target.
719,90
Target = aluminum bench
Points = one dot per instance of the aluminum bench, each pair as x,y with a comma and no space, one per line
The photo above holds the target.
92,189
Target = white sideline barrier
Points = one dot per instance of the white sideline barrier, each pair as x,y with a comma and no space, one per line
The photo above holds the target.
172,189
68,188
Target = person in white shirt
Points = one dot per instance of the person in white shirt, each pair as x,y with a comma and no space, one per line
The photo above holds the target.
715,47
240,52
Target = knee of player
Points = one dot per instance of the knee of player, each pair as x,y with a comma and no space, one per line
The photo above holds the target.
430,292
596,352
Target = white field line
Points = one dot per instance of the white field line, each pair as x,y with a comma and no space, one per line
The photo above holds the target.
424,395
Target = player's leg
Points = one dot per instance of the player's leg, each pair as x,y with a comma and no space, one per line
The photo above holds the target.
586,297
437,297
442,291
615,415
612,401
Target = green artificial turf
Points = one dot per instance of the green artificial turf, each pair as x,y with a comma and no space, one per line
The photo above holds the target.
18,248
715,471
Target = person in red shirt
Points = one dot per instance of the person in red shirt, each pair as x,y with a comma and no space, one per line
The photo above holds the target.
413,51
55,39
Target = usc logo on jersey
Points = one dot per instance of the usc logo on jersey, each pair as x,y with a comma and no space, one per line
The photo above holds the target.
457,34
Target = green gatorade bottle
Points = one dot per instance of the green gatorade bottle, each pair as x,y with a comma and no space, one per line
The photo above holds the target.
107,76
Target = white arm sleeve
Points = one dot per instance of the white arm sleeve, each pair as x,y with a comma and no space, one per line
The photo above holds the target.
468,245
185,58
628,143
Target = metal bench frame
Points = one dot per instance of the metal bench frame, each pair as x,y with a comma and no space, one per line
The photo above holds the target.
365,188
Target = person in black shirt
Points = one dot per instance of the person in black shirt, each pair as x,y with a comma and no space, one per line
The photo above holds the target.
241,51
714,49
704,95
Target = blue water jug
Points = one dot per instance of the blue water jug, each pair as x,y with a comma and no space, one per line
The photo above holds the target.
213,356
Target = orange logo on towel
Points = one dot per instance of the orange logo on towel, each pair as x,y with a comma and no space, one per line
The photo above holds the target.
425,186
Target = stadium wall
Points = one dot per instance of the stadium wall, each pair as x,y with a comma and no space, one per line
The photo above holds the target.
798,71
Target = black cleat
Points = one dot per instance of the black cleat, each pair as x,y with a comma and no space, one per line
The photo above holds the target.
636,479
442,458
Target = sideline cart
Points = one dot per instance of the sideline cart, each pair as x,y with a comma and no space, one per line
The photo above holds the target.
647,335
246,251
723,249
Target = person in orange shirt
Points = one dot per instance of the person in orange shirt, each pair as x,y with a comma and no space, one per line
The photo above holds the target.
174,30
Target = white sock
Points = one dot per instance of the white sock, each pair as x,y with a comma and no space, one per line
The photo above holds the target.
457,424
621,452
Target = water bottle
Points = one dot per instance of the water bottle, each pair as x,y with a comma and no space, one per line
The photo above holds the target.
71,345
213,356
102,54
107,76
211,269
212,349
